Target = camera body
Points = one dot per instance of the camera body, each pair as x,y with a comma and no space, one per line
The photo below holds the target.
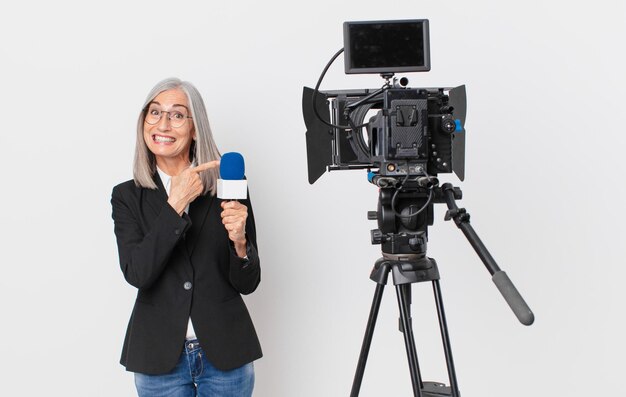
409,131
414,131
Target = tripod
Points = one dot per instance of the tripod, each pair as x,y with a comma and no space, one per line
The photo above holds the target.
403,217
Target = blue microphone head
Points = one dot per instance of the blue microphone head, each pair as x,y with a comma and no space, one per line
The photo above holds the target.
232,166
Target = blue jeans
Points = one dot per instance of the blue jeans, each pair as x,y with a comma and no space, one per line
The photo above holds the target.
195,376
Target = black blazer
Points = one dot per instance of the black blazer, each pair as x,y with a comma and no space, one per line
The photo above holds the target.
183,266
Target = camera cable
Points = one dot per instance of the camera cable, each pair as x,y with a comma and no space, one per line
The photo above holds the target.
399,188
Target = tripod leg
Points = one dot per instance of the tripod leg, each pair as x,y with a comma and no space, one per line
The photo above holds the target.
446,339
402,292
367,340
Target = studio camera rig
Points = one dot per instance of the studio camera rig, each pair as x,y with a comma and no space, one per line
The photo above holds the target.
404,137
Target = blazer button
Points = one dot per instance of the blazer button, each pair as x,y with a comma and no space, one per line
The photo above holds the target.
177,232
187,285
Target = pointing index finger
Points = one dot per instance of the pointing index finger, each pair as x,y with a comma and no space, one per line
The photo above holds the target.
206,166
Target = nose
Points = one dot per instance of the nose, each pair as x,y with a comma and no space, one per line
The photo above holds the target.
165,123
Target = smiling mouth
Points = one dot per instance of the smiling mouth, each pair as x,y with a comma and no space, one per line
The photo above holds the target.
163,139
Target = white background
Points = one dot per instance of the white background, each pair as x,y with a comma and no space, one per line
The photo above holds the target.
544,185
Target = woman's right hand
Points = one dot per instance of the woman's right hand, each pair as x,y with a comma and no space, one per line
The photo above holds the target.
187,185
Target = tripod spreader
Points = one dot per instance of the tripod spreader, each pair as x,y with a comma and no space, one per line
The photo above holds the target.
499,277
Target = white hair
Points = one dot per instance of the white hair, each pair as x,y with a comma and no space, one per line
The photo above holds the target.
202,150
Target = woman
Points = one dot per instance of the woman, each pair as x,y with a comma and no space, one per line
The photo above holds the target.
189,254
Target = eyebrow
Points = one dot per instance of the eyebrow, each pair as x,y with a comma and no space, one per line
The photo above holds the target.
174,105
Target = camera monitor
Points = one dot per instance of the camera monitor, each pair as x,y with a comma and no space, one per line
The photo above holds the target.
386,46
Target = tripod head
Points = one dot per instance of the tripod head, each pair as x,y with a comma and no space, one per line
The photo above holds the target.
404,214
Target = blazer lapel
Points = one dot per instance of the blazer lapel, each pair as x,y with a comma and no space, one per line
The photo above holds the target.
198,212
156,198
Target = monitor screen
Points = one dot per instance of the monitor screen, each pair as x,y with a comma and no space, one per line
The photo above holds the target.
386,46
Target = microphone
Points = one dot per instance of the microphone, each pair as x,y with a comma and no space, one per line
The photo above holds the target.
231,185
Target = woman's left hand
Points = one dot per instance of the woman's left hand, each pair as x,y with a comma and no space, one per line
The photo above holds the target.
234,215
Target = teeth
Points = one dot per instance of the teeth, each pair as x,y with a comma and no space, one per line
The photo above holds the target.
163,139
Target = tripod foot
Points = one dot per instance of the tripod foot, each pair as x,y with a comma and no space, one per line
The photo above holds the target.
435,389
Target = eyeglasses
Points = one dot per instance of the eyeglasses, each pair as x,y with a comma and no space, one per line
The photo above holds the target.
176,118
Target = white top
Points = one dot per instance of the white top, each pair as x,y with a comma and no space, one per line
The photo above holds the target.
166,179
